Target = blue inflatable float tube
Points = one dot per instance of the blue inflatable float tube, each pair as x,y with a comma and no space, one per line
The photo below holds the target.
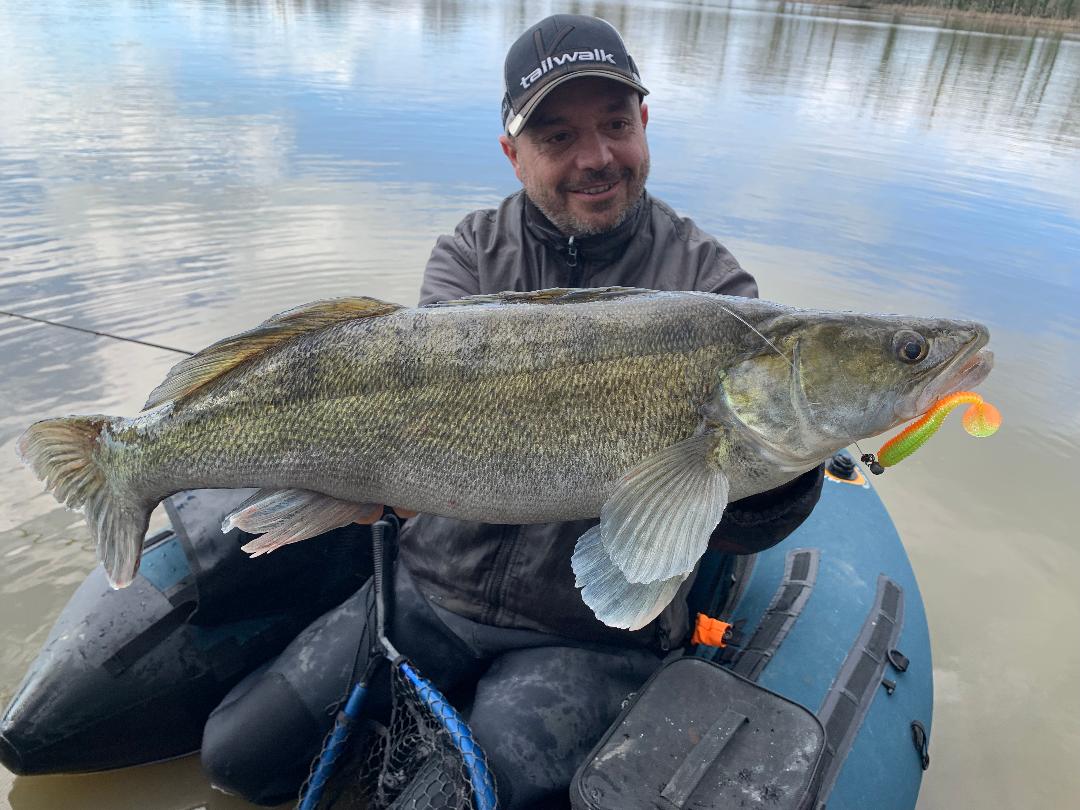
832,619
129,676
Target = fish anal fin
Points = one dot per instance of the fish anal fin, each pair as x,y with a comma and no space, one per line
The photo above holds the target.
218,359
657,521
287,516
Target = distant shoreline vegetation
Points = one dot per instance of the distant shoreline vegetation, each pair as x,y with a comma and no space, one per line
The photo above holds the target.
1053,13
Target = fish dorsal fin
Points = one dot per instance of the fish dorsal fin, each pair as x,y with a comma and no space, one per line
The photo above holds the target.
554,295
218,359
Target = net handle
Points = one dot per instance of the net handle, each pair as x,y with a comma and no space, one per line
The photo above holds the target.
483,785
383,532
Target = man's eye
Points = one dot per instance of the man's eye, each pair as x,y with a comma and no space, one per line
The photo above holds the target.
559,137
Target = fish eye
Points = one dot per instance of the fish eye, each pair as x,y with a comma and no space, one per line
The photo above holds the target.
910,347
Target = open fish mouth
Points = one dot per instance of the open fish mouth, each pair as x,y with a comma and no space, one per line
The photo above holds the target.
967,369
973,372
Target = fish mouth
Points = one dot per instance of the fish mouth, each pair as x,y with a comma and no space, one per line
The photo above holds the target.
969,368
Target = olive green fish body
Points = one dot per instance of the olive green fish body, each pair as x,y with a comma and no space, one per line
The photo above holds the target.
516,413
651,410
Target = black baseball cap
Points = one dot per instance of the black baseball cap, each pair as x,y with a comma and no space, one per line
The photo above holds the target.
555,50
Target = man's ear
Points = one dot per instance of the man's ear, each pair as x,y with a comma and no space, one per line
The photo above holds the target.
509,147
644,115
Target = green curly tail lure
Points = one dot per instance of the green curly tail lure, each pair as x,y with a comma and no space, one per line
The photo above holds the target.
981,419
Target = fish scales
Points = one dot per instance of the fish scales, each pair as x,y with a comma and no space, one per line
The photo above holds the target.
491,414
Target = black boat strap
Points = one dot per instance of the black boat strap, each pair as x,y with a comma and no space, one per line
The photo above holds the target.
800,574
849,698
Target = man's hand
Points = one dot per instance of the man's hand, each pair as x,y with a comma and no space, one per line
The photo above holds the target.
377,512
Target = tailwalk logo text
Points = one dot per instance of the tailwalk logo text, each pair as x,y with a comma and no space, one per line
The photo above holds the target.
552,62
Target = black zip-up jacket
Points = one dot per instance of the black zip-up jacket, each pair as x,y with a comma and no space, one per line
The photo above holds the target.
520,576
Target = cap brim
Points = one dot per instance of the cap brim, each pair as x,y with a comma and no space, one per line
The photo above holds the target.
517,123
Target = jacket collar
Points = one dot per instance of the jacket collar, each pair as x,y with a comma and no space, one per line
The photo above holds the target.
600,249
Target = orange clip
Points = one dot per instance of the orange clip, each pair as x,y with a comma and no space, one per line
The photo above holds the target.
710,631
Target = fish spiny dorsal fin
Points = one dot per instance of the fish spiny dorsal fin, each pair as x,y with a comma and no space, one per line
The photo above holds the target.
217,360
554,295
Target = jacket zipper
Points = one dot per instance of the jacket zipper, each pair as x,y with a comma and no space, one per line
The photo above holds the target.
508,537
572,263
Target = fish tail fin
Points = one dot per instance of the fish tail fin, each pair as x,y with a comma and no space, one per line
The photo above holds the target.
62,453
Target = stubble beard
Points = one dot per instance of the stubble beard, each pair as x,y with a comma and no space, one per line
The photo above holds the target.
552,207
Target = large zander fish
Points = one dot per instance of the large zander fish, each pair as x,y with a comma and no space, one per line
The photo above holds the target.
651,410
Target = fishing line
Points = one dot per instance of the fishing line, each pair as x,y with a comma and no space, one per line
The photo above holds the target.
95,332
768,342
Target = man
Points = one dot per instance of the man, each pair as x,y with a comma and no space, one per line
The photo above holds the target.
491,612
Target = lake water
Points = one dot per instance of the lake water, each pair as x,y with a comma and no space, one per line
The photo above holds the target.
177,171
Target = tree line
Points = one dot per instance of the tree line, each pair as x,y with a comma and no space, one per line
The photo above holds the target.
1048,9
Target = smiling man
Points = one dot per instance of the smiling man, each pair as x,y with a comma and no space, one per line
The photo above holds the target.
578,147
491,613
574,123
583,159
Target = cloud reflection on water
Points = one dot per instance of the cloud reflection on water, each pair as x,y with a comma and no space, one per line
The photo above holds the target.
176,171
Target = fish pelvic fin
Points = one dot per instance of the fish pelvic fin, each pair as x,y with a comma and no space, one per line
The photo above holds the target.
657,521
616,601
284,516
62,453
217,360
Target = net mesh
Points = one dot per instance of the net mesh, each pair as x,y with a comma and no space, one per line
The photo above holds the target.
415,763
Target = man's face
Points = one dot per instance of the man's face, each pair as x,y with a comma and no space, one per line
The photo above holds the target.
582,157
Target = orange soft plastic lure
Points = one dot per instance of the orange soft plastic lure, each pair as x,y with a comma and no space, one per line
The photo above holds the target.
981,419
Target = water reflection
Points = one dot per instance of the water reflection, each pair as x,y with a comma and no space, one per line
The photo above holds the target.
177,785
176,171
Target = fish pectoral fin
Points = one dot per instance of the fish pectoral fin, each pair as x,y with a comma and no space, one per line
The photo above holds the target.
657,522
284,516
616,601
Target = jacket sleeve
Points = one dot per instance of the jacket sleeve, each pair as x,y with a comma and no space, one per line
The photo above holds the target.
452,269
721,273
761,521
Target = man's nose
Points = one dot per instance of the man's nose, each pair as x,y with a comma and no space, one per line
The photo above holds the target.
593,152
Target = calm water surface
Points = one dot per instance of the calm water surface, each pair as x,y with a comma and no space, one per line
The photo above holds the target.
177,171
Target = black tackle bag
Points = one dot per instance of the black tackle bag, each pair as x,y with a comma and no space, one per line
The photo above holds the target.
699,736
